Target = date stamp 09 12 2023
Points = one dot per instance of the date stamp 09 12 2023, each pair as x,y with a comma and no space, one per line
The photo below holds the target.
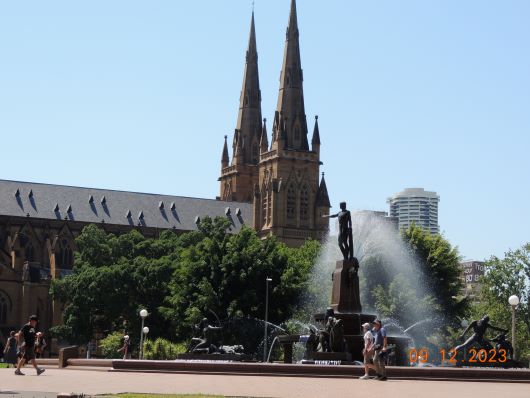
473,355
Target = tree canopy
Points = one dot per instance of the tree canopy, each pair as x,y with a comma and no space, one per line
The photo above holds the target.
179,279
436,287
503,278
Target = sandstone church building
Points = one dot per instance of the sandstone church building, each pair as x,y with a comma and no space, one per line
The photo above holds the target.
281,180
274,187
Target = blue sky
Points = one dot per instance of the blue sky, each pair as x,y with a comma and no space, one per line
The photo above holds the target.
137,95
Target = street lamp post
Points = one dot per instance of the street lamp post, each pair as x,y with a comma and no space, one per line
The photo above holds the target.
514,302
145,330
143,315
267,280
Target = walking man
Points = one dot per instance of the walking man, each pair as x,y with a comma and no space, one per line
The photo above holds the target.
27,346
380,348
368,351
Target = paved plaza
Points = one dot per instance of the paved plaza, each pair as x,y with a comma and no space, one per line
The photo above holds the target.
100,382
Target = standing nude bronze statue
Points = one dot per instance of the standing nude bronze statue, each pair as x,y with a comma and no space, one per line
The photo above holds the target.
345,231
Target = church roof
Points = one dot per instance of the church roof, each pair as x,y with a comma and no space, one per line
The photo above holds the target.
93,205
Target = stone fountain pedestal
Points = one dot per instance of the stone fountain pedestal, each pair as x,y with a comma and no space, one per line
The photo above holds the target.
346,303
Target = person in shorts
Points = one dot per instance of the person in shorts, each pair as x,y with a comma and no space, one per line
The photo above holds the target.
368,351
26,343
380,348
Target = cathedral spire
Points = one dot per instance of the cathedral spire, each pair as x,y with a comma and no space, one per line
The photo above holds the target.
291,94
264,142
315,141
292,29
249,116
225,160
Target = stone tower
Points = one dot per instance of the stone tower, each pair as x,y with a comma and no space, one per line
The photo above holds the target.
289,200
239,177
281,180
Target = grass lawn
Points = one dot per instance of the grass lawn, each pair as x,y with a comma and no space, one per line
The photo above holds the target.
3,365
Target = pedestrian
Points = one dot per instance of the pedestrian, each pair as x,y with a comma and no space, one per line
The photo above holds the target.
10,350
40,345
26,343
380,349
126,348
368,351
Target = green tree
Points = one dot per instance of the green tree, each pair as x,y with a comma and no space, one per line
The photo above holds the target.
504,277
113,278
178,279
226,274
431,301
439,269
398,300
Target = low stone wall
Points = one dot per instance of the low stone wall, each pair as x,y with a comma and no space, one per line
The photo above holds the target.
67,353
341,371
48,361
98,363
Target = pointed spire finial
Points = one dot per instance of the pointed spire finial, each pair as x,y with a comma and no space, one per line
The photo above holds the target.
322,194
315,141
264,141
225,160
252,50
292,29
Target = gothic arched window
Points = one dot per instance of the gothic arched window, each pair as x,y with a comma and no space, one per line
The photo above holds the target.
4,308
291,203
29,252
297,133
64,257
304,204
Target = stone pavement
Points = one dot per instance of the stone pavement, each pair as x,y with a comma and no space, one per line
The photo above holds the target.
27,394
101,382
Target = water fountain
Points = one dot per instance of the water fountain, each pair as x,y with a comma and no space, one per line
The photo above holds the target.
367,236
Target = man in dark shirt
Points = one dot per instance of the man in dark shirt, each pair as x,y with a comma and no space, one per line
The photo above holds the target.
26,343
380,348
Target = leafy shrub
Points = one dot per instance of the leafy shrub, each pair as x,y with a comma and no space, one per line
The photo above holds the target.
162,349
110,345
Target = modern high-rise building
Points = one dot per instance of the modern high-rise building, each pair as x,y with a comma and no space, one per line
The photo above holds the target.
415,205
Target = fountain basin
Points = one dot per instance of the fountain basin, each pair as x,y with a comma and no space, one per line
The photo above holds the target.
353,350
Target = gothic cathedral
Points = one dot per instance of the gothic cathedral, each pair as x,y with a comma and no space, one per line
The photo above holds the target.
281,180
